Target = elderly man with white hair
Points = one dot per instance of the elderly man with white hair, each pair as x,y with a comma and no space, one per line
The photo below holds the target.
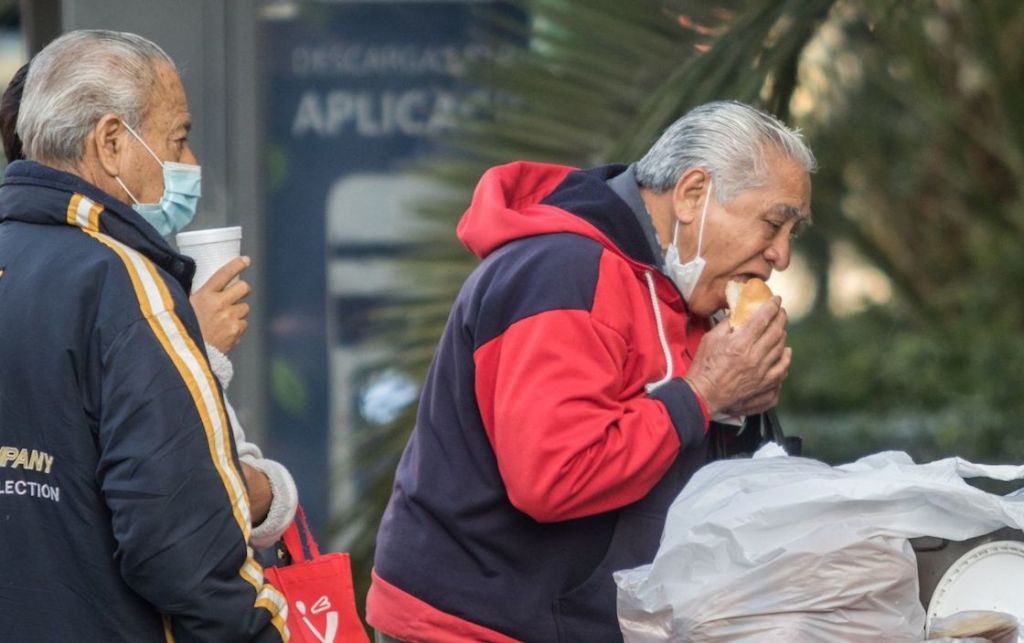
571,396
124,508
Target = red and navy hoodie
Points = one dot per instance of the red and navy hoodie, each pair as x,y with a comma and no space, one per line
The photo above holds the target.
123,511
554,428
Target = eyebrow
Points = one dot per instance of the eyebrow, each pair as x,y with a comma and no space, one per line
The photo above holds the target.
790,212
186,125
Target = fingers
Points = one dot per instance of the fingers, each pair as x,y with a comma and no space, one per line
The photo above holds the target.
768,396
744,367
226,273
772,337
237,291
757,404
240,326
776,369
218,298
780,370
771,351
762,319
232,319
221,316
228,334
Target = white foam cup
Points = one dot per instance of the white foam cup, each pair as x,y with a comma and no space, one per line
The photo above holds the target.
211,249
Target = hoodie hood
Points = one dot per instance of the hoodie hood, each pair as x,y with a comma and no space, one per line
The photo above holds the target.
528,199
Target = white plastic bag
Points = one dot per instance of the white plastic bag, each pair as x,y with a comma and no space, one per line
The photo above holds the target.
792,549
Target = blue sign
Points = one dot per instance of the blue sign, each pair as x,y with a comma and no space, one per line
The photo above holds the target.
355,91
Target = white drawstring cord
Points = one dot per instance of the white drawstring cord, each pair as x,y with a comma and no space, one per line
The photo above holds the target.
650,388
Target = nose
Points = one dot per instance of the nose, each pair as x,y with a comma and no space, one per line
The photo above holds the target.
777,253
188,157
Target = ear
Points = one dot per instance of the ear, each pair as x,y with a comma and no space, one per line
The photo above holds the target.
109,143
689,193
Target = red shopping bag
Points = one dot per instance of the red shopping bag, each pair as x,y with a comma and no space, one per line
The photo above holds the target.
321,600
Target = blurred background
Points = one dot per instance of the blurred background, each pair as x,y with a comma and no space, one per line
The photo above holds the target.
345,137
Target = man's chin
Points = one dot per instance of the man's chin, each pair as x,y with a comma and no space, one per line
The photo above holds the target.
704,306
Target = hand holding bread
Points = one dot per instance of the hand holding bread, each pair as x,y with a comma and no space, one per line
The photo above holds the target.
739,367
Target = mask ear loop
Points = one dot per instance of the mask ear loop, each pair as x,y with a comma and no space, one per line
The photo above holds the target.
125,188
703,216
148,149
144,144
700,231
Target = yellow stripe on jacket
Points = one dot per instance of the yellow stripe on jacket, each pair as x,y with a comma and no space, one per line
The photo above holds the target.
158,308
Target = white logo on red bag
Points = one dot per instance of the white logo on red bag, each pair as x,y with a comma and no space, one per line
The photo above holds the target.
322,604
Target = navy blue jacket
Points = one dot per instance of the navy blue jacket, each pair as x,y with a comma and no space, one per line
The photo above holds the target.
123,512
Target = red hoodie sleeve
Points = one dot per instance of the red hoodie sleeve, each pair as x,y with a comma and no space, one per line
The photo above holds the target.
569,440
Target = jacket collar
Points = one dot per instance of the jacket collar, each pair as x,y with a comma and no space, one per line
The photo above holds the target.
35,193
586,194
626,188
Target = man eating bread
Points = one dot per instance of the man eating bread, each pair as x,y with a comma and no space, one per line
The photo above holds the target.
572,394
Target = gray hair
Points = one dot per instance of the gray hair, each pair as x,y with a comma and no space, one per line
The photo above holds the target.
79,78
727,138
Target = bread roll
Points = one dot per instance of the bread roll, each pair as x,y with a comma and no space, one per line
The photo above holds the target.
745,298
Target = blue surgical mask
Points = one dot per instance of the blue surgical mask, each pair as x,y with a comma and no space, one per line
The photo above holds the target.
686,275
182,189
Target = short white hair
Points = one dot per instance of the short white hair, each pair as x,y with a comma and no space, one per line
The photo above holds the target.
79,78
730,140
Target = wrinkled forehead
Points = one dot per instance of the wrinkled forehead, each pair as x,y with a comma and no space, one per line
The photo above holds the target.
168,106
790,188
784,192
